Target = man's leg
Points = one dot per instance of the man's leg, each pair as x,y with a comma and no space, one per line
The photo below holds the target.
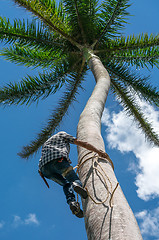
50,171
64,167
76,183
67,172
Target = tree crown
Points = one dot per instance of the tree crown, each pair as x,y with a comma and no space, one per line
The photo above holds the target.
60,40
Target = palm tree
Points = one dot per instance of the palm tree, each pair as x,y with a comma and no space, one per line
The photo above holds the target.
65,40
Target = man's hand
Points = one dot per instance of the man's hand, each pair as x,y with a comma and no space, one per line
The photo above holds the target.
103,154
90,147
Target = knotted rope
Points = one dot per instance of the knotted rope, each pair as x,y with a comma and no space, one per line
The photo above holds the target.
103,173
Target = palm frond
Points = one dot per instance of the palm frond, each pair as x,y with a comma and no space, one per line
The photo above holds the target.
137,51
58,114
30,89
131,42
112,18
134,81
52,17
32,57
28,33
76,15
82,18
140,51
139,58
128,101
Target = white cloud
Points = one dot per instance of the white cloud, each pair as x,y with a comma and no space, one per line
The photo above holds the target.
17,221
123,134
2,224
31,219
149,223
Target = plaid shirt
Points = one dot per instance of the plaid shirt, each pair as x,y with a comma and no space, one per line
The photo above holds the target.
56,147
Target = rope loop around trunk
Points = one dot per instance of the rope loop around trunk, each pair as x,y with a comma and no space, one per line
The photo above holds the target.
104,175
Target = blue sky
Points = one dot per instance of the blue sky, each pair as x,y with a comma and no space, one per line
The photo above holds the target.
28,209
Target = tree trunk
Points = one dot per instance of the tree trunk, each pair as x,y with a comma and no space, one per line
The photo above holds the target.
113,219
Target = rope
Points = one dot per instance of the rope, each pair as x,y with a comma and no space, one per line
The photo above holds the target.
43,178
110,201
105,177
107,159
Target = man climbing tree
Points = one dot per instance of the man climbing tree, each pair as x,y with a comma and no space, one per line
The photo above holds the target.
70,38
55,165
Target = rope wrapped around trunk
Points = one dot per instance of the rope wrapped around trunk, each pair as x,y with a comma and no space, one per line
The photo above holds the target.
95,159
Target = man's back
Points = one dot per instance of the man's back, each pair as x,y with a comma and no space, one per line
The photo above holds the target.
56,147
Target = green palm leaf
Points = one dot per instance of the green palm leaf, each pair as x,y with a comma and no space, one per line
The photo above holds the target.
28,33
30,89
139,58
134,81
139,51
130,105
32,57
82,18
113,16
51,16
66,33
130,43
58,114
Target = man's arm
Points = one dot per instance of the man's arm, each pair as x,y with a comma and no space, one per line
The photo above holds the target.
91,148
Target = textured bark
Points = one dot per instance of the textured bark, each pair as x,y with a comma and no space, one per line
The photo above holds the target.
102,221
